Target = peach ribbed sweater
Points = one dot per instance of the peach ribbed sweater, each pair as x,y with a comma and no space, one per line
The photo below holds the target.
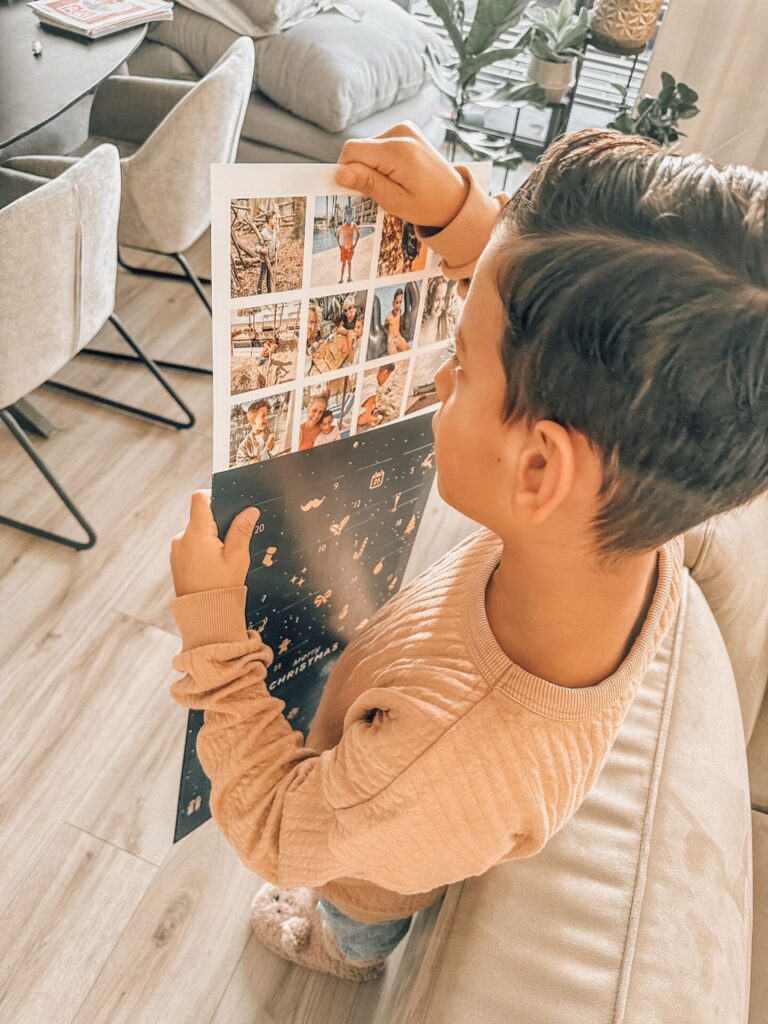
432,756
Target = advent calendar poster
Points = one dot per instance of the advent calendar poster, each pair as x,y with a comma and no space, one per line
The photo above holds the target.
330,319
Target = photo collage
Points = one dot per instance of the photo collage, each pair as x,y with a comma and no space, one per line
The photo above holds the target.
338,316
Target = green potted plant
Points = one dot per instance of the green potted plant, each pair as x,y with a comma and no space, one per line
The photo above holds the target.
476,49
557,42
657,117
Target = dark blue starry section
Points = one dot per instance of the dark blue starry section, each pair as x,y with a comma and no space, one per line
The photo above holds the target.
336,529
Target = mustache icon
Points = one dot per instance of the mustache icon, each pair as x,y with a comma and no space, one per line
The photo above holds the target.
314,503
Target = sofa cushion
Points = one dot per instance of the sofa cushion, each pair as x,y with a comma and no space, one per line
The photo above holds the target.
272,15
334,71
639,909
269,125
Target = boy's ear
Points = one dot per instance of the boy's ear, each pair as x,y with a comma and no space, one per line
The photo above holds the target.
544,473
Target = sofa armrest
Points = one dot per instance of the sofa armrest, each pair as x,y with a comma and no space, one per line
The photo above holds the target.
130,108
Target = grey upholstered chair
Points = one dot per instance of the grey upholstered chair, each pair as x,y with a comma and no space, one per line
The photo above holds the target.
168,133
50,308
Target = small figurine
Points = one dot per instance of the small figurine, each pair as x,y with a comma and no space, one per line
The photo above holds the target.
37,48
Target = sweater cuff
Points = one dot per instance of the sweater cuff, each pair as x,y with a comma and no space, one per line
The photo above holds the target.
210,617
461,242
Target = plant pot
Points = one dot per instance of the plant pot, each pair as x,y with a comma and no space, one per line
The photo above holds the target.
625,24
555,78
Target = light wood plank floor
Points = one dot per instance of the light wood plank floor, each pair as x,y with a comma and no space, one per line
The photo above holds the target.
102,919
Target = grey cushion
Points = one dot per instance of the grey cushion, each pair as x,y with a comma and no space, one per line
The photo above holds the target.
334,71
271,15
269,125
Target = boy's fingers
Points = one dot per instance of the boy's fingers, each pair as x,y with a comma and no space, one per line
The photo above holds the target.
240,531
200,515
371,182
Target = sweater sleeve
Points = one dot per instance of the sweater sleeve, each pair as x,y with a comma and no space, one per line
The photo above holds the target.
382,805
460,243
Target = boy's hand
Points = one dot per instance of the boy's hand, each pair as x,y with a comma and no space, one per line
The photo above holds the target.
269,446
200,561
405,174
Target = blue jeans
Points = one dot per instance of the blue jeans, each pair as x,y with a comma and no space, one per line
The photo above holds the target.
359,941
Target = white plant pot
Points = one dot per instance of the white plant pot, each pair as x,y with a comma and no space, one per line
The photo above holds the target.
554,78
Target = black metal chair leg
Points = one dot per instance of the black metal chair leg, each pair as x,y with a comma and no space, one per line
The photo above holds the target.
193,278
196,282
59,538
167,275
139,357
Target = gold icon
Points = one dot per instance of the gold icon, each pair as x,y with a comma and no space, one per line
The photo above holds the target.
336,528
314,503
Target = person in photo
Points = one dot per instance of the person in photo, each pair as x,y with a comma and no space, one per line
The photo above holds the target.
395,340
410,246
440,311
268,253
369,415
347,237
328,430
310,428
258,443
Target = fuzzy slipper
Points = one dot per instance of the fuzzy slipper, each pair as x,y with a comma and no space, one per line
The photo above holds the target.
289,922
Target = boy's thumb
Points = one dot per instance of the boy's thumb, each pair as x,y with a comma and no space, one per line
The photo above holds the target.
370,182
240,531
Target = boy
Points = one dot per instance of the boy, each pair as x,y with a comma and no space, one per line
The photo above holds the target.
328,430
395,341
607,393
347,237
369,415
258,444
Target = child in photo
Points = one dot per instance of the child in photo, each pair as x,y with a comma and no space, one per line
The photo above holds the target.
334,329
374,382
335,397
441,311
328,430
393,320
606,394
258,443
342,239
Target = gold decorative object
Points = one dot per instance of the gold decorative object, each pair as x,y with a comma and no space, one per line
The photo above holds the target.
625,25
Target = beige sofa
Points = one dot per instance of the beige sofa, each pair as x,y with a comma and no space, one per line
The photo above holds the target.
640,910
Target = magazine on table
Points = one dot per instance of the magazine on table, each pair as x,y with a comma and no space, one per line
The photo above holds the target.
97,18
330,320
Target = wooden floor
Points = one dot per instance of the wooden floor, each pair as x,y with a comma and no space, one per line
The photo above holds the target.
102,919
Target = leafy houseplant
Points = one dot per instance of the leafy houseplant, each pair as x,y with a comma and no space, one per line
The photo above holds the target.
474,51
656,117
557,42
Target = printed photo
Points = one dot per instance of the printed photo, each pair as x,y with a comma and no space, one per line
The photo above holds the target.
326,412
442,306
382,393
334,330
400,251
264,346
422,392
267,245
260,430
393,319
342,239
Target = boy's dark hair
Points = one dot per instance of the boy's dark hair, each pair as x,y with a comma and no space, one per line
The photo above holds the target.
636,292
255,406
326,415
399,291
389,367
